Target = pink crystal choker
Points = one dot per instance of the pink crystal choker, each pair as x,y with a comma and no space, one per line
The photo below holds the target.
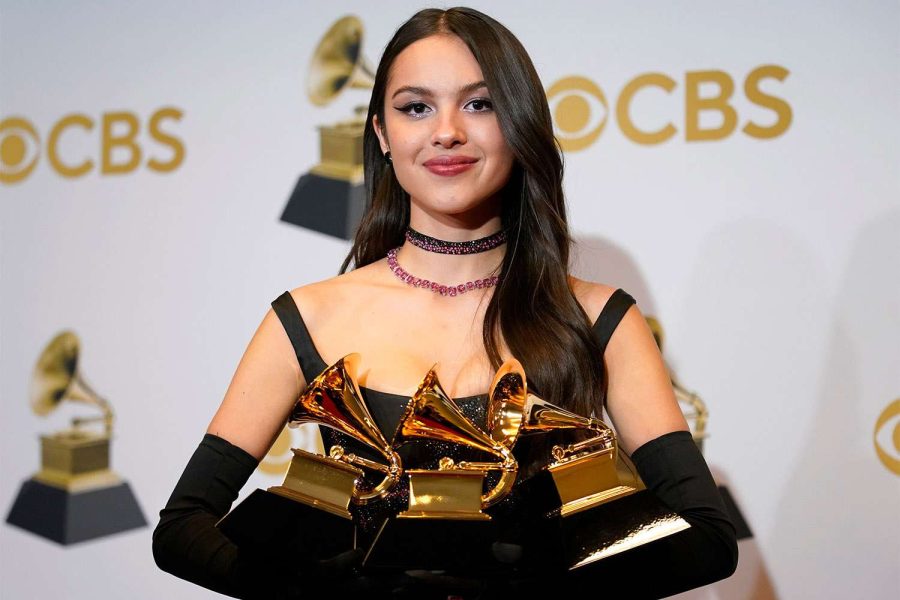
426,242
443,290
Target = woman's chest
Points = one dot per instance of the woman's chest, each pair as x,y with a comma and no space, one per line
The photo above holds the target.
398,349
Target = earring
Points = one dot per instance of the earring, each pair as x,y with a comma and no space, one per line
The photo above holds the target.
387,158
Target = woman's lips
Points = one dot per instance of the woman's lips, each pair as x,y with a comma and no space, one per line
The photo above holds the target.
448,166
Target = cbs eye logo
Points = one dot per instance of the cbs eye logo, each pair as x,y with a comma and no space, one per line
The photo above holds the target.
16,137
120,148
887,437
581,111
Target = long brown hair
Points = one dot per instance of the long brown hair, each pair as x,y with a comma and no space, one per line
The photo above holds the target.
533,308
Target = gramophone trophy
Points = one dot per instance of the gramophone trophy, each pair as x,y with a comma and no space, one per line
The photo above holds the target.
445,525
75,496
312,505
600,506
331,197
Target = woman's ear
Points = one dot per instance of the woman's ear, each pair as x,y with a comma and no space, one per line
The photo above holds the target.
379,131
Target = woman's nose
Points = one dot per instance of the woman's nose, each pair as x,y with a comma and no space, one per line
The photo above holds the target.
449,130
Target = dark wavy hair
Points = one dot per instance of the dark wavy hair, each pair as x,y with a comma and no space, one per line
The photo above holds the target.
533,308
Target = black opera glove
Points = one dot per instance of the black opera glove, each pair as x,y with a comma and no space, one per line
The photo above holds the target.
672,467
187,544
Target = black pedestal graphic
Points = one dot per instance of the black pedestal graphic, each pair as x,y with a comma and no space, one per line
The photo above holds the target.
269,524
331,206
67,518
737,518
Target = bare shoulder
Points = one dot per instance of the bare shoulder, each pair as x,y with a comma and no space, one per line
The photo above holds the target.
592,296
632,331
640,400
345,290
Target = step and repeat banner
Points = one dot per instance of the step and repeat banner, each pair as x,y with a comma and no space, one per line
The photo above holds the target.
168,169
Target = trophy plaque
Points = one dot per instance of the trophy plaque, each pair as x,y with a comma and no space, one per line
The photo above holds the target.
75,496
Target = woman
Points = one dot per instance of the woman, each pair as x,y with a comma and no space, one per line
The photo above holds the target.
459,149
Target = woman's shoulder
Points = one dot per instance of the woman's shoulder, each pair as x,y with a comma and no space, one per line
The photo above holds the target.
342,290
592,296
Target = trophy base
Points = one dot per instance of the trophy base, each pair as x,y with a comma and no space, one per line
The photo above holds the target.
328,205
272,524
433,544
609,529
67,517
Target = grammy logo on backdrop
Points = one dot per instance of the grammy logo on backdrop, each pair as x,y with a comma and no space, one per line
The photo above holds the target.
331,198
75,496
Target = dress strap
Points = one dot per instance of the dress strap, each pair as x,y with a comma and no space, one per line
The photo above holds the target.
612,313
311,364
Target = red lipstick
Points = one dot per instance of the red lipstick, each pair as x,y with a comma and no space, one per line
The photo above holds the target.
448,166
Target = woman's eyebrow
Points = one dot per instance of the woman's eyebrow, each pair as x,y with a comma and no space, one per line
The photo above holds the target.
423,91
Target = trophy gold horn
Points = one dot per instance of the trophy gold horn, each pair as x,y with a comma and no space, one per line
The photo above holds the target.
338,62
333,399
317,491
513,411
57,379
454,490
585,472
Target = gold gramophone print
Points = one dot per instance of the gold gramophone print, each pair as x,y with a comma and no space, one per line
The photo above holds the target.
75,496
330,198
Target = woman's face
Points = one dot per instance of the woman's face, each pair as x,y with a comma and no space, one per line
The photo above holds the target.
440,127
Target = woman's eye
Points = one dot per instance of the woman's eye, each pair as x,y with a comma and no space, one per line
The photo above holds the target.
414,109
481,105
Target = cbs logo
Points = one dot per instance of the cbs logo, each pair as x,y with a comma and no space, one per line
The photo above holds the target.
580,108
887,437
66,146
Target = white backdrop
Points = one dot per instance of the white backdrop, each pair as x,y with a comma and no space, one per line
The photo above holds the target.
772,263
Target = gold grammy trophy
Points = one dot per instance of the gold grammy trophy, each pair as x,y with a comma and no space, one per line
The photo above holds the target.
317,491
445,524
454,490
331,197
332,482
603,508
75,495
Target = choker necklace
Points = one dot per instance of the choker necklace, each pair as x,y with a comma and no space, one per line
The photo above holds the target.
426,242
443,290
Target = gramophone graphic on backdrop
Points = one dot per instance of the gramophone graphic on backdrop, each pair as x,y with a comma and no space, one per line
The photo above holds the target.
74,496
331,198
